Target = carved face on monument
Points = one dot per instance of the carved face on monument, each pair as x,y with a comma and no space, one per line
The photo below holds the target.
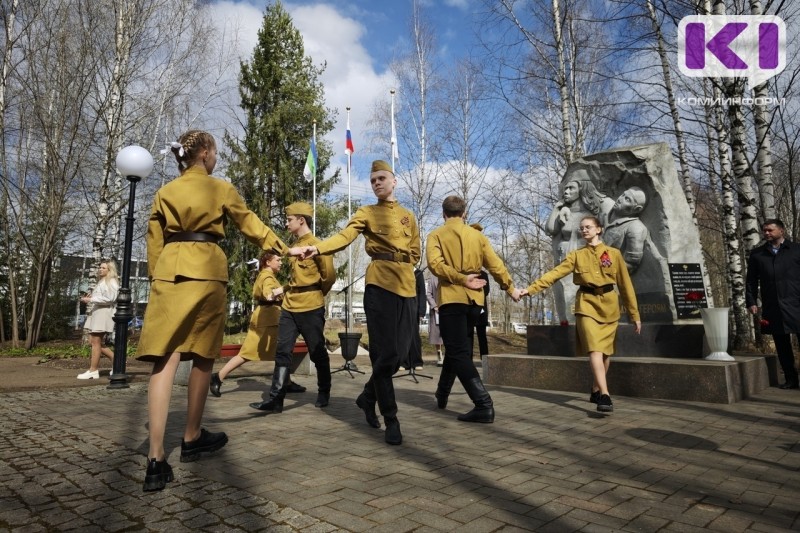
630,203
571,192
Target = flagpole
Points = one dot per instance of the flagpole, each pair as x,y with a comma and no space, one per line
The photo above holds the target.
349,313
393,140
314,188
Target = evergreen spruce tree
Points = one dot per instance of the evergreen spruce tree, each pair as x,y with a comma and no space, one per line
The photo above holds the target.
282,96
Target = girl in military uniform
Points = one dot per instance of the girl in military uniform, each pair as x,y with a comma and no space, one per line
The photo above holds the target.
262,333
595,269
185,317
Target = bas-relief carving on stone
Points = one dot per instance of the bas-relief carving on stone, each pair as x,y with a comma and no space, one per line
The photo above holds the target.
635,192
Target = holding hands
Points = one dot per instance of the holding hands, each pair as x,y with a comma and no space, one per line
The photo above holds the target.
303,252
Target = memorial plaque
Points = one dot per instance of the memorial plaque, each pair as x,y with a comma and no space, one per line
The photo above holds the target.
688,290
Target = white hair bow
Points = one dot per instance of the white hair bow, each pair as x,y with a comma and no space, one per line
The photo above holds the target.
173,145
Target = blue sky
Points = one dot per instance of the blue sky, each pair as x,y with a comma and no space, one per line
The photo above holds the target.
357,39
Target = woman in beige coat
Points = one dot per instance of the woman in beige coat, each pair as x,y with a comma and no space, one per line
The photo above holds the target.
102,304
185,317
596,269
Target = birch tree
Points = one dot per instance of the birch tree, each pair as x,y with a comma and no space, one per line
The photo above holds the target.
473,138
418,122
60,64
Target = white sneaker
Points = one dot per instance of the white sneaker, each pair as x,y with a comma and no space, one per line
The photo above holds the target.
90,375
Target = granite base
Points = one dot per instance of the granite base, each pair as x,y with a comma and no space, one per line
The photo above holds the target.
693,380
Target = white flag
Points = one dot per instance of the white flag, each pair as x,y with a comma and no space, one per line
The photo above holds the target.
395,151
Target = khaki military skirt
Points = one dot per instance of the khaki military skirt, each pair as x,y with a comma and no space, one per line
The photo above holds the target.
594,336
186,316
261,341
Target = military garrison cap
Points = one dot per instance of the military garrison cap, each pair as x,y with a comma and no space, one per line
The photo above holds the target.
381,167
299,209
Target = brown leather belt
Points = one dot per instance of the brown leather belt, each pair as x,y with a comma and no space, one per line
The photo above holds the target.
397,257
597,291
307,288
192,236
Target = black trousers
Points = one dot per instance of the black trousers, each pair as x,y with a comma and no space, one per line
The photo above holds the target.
415,351
309,324
483,342
391,319
456,321
783,345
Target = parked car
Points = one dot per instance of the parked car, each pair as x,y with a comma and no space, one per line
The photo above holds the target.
136,322
520,328
79,321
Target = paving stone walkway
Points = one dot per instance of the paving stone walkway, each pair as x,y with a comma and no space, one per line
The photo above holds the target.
74,459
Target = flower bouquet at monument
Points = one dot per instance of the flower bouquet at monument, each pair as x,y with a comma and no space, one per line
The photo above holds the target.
696,300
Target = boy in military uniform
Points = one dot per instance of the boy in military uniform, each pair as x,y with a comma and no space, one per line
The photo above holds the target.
456,253
302,312
392,241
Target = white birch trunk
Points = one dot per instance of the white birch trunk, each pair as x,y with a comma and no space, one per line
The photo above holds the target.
733,247
766,187
686,178
563,88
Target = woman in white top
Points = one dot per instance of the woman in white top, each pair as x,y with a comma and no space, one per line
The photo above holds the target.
102,304
434,337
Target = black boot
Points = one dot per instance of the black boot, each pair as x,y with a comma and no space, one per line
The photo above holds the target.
366,402
446,380
215,384
484,408
393,435
276,393
323,383
323,398
292,387
384,392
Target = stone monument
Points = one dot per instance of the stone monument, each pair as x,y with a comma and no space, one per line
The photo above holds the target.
636,193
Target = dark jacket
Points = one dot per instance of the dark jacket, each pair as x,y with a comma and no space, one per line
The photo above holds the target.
422,302
779,279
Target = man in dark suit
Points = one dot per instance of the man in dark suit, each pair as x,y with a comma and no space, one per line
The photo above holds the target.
775,267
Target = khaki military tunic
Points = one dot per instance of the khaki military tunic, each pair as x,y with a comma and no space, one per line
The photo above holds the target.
311,279
595,266
388,228
262,333
456,250
186,310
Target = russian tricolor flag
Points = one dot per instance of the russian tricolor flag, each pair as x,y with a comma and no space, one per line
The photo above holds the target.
348,143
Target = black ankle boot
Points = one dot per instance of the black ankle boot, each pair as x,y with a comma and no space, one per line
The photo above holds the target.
484,407
215,384
446,380
158,474
322,399
393,435
369,410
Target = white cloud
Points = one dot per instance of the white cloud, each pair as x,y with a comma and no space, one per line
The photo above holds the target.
350,77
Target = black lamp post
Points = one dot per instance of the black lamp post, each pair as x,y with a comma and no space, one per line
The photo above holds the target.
135,163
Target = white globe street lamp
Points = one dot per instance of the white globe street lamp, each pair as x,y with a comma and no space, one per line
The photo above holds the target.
135,163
